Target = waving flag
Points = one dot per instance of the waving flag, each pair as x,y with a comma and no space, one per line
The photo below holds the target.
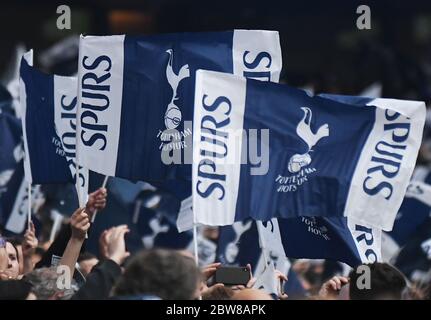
334,238
238,244
414,259
6,101
48,104
11,167
301,170
422,173
135,95
156,230
14,202
415,211
10,146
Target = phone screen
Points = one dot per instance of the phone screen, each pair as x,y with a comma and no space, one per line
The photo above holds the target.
232,275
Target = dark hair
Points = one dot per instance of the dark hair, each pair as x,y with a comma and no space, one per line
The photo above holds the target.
166,274
218,293
86,256
15,241
386,282
14,245
14,290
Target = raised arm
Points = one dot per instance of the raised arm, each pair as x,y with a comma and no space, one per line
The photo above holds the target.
80,223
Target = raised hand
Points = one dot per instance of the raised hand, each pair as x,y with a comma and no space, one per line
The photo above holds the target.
280,277
80,223
96,201
116,244
30,242
331,288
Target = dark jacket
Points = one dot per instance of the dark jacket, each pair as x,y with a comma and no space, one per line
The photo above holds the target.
99,282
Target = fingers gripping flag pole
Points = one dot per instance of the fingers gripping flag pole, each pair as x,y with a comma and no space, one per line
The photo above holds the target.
78,134
195,243
105,180
29,206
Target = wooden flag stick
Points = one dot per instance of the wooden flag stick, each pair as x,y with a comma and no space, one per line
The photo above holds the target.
103,186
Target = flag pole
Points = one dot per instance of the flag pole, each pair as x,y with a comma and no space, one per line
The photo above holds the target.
55,225
105,180
78,134
195,235
29,205
261,243
195,242
138,205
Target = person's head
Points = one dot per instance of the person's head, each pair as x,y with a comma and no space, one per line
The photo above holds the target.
45,286
17,243
86,262
166,274
12,269
3,255
376,281
251,294
218,292
15,290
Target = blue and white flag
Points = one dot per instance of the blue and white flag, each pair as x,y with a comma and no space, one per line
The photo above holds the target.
238,244
48,109
10,146
156,230
415,211
335,238
422,173
135,95
6,101
14,202
11,171
265,150
306,237
414,259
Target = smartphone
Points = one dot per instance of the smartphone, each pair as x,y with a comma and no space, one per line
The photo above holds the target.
232,275
281,287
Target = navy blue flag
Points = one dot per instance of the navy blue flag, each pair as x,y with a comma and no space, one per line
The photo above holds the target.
10,146
14,203
265,150
415,211
9,192
11,166
414,259
149,214
156,230
6,101
333,238
135,96
48,106
238,244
